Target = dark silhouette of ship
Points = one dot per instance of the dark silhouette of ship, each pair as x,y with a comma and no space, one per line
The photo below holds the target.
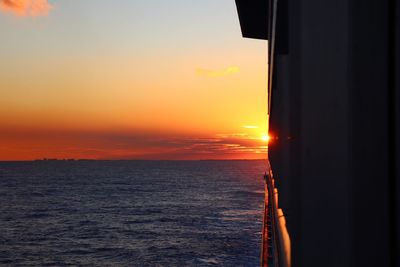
334,117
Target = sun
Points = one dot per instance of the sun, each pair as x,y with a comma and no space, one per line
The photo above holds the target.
265,138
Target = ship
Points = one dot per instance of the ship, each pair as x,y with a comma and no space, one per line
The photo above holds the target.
334,117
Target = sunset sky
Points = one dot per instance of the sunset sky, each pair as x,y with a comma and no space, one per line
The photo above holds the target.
130,79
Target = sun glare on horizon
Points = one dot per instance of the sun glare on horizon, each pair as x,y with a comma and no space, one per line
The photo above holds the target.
265,138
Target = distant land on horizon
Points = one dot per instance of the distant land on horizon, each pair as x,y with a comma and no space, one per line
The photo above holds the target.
80,160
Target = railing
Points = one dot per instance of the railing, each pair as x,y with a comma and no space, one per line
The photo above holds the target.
275,251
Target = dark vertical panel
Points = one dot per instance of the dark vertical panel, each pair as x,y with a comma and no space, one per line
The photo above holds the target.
396,87
285,121
280,130
294,152
282,34
325,133
370,142
392,130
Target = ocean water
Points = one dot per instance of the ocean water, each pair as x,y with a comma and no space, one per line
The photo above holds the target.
131,213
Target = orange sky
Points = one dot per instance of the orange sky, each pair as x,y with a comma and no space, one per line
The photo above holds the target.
144,85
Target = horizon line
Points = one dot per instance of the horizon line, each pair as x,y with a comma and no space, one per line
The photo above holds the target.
71,160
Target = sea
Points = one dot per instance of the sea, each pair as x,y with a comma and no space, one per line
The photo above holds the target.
131,213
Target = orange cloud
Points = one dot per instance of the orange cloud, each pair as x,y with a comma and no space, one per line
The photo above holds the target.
28,144
26,7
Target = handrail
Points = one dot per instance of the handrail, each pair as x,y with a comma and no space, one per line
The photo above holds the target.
275,251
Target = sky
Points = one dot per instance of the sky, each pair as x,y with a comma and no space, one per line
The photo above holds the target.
130,79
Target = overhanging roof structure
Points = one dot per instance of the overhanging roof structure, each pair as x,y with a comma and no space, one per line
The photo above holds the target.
253,16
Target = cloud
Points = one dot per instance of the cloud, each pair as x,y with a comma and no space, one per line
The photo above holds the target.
26,7
27,143
218,73
220,146
250,127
